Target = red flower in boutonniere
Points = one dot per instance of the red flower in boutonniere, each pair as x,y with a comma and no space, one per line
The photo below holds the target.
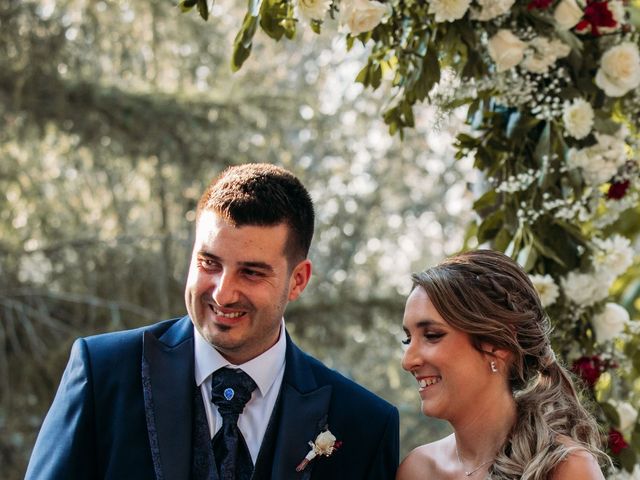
325,444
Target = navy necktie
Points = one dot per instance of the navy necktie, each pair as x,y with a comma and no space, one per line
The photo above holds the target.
230,391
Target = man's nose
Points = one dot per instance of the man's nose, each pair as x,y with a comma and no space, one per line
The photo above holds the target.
225,291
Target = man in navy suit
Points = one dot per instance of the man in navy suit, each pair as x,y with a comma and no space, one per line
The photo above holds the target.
138,404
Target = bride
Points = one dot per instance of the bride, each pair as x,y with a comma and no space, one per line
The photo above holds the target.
477,344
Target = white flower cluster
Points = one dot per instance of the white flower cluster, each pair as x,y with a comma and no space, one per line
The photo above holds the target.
361,16
547,289
535,56
490,9
313,9
628,416
610,323
517,183
358,16
612,257
599,162
448,10
578,118
624,475
613,208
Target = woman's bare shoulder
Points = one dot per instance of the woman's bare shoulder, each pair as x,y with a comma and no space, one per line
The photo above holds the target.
579,463
422,461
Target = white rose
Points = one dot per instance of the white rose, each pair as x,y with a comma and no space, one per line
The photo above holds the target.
506,50
547,289
491,9
325,442
610,323
619,69
586,289
542,53
313,9
628,416
578,118
448,10
567,14
362,15
601,161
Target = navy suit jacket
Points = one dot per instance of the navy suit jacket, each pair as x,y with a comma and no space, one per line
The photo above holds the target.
124,409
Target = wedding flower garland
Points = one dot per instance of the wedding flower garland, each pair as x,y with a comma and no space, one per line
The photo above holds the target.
553,95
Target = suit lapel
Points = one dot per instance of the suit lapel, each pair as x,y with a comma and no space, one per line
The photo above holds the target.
168,382
304,414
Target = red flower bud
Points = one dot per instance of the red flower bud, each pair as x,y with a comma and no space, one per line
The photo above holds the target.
539,4
589,369
618,190
617,442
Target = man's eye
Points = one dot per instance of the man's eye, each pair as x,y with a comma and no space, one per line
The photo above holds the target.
253,273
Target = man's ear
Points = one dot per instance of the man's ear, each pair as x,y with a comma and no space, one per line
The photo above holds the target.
299,278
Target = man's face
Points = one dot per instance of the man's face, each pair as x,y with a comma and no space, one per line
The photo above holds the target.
239,285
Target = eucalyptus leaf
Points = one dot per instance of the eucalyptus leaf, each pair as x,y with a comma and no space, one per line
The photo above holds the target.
203,9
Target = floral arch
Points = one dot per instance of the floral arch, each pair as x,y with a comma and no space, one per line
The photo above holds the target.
553,95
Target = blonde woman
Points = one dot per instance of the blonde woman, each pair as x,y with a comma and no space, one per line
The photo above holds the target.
477,344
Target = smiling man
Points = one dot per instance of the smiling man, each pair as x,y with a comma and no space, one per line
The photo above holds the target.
222,393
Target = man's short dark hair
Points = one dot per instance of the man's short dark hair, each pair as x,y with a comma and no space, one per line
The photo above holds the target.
261,194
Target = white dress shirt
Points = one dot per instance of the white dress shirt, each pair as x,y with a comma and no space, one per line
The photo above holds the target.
267,370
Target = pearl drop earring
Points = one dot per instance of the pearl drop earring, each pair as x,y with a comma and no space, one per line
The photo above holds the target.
494,368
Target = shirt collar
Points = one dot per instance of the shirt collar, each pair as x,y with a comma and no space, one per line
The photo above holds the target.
263,369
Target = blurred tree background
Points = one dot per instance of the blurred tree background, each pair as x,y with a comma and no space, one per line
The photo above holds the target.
113,117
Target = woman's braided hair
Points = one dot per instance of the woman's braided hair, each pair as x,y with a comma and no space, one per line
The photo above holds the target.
488,296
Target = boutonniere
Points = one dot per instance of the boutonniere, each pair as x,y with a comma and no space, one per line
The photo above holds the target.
325,444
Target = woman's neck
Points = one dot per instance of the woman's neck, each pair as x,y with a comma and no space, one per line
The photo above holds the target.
480,432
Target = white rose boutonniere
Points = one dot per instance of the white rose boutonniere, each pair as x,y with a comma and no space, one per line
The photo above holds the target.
325,444
506,50
362,15
619,69
610,323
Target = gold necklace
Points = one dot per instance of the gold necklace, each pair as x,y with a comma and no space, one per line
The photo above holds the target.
468,473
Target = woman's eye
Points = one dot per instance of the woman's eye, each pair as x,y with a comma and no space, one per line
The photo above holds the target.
433,336
406,341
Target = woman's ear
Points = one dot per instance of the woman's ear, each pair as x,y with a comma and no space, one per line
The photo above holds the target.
495,353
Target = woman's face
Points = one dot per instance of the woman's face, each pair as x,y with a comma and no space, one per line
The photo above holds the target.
453,376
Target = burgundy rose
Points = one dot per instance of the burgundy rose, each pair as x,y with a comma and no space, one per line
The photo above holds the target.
596,15
589,369
616,441
539,4
618,190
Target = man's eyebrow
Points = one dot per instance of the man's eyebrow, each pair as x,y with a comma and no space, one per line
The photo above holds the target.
258,265
248,264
